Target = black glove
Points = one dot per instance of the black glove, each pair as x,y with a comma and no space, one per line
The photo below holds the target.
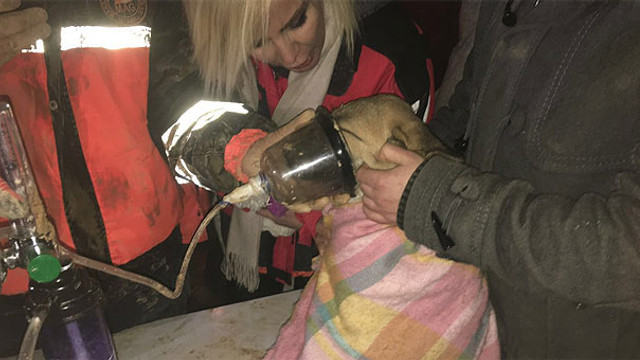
198,154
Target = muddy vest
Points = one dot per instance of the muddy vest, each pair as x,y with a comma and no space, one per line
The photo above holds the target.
81,105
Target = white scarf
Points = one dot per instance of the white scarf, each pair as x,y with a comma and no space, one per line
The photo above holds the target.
304,90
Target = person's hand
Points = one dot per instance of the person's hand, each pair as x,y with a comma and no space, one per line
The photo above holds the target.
19,29
251,161
383,188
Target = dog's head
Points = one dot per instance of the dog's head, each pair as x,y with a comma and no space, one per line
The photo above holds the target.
367,124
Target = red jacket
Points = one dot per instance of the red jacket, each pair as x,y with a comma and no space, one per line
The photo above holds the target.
390,58
131,194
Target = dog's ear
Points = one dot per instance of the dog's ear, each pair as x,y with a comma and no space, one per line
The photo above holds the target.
411,135
398,138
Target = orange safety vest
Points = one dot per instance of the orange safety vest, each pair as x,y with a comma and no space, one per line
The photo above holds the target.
106,73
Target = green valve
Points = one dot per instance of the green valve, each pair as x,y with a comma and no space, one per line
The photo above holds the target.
44,268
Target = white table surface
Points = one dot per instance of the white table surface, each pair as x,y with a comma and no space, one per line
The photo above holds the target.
241,331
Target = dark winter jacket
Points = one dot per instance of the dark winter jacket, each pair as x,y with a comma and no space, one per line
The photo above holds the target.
548,200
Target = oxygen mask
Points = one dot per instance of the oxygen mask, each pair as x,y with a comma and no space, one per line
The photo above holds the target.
309,163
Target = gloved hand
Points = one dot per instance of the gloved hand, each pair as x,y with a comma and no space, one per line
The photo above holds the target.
196,143
19,29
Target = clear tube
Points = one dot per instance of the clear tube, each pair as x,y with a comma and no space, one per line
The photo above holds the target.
127,275
15,169
33,330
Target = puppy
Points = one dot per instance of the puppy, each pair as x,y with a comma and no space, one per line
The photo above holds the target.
366,125
375,294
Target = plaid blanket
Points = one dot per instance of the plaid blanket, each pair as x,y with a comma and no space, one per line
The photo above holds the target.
376,295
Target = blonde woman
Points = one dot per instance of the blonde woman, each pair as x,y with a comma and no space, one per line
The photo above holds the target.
281,57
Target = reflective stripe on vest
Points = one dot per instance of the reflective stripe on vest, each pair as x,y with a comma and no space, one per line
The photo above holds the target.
37,48
112,38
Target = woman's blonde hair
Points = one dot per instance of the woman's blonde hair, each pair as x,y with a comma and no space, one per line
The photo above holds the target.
224,32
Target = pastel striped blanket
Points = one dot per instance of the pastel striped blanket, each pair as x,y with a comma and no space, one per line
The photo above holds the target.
376,295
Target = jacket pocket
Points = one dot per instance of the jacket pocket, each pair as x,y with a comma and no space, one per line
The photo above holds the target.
497,90
588,120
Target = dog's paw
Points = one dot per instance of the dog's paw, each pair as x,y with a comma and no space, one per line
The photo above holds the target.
308,206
